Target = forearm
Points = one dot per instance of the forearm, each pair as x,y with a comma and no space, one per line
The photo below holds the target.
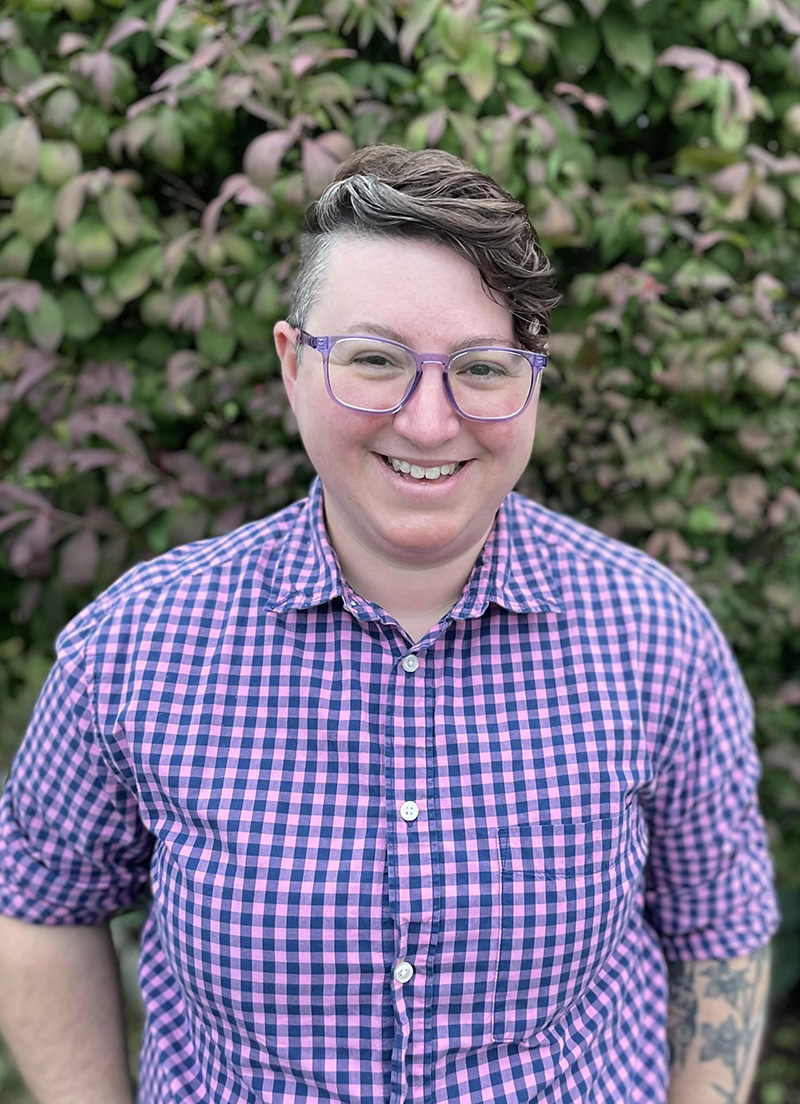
715,1021
61,1012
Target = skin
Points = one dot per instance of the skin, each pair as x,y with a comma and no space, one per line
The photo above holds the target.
715,1021
407,546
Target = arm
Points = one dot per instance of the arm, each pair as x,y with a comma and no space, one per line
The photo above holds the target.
61,1012
715,1018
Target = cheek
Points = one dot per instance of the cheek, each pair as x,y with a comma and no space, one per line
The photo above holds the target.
510,440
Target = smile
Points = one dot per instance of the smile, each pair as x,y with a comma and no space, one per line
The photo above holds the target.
416,471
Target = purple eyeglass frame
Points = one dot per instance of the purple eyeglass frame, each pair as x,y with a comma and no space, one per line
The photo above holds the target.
323,345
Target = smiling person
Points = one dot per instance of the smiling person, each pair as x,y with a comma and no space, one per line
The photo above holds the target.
440,796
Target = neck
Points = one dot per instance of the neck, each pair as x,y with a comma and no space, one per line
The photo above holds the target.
416,595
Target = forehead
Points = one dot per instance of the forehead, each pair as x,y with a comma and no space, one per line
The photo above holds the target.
418,288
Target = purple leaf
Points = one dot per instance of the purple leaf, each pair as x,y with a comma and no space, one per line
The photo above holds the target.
36,366
263,156
34,541
11,496
124,29
10,520
43,452
229,519
183,367
170,78
79,559
40,87
164,12
189,312
96,378
207,54
70,42
88,459
22,294
319,166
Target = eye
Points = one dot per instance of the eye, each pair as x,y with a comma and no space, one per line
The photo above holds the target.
376,360
485,369
478,370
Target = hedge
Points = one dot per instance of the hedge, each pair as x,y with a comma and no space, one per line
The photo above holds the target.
155,162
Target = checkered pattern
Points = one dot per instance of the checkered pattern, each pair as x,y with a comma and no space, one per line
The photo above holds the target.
233,725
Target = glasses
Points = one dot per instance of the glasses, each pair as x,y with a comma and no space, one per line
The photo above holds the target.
376,376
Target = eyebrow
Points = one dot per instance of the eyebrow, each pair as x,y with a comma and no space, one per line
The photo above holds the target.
367,329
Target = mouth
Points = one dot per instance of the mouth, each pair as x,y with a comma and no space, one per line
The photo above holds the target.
422,474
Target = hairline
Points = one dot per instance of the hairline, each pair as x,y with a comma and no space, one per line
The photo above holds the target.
323,246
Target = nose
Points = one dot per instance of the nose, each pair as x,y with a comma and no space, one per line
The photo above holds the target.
429,418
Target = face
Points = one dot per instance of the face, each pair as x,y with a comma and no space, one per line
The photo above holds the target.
427,297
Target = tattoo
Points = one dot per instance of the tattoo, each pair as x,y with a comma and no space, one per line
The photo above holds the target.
715,1014
681,1011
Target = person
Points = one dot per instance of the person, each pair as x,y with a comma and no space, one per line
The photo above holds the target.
440,796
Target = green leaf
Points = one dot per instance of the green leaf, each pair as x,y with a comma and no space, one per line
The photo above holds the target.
625,101
478,72
33,212
16,256
579,47
46,325
595,8
132,276
731,134
217,347
166,144
699,160
702,520
120,212
627,43
435,73
19,66
559,14
415,25
90,128
20,142
80,320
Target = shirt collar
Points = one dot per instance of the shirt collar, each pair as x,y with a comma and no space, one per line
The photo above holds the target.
513,569
303,569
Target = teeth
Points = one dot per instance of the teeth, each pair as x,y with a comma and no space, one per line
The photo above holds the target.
417,472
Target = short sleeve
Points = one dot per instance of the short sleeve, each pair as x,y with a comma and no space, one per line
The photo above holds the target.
73,849
709,882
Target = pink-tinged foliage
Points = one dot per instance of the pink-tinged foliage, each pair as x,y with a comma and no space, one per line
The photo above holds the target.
124,29
171,150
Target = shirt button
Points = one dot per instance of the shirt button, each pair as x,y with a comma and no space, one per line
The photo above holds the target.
403,972
409,810
410,663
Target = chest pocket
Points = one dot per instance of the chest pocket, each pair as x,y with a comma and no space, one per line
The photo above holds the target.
567,892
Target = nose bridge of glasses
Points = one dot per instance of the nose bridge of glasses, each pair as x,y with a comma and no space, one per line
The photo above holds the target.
423,392
432,358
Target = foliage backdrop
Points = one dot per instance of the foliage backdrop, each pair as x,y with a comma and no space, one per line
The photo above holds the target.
155,162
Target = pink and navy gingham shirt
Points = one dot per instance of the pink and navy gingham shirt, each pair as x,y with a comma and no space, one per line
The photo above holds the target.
385,871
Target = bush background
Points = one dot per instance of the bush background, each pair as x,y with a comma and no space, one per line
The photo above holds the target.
155,162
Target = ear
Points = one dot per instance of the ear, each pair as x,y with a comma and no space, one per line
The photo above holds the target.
286,347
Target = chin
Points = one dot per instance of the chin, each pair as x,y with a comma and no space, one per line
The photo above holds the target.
429,541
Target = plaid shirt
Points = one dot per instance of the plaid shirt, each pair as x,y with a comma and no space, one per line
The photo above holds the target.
384,871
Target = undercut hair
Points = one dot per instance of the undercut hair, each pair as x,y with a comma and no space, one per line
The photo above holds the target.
388,192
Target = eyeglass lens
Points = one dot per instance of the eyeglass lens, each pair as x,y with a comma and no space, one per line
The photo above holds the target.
373,375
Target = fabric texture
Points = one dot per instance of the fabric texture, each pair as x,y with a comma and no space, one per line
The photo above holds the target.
233,726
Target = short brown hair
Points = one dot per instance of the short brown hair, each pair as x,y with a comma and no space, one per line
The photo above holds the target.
391,192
